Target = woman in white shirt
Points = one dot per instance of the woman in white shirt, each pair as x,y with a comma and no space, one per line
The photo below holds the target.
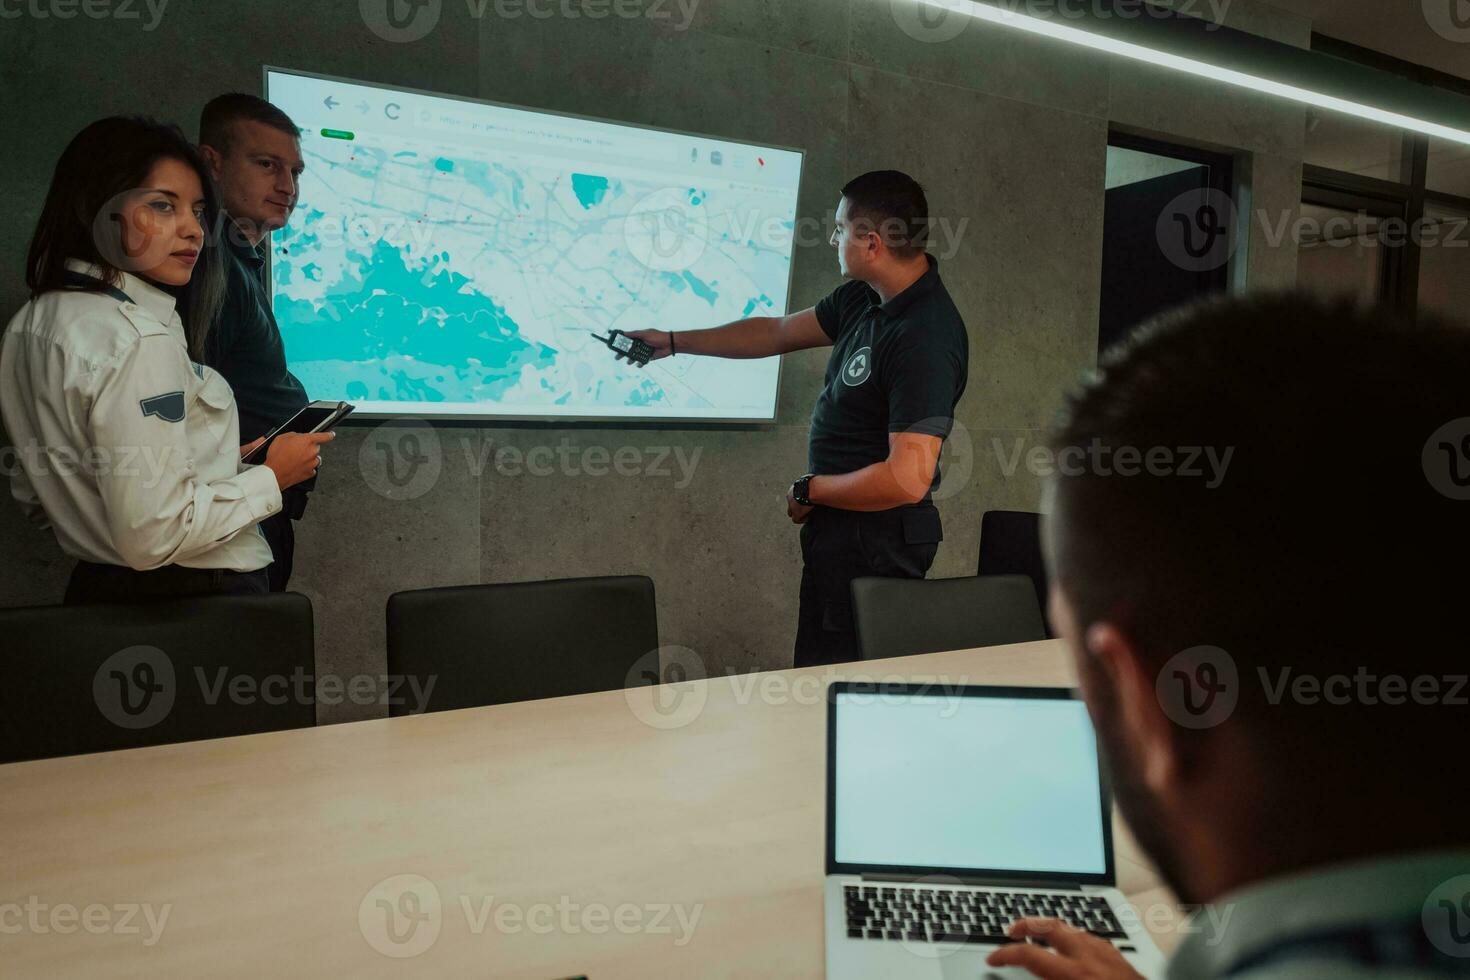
128,448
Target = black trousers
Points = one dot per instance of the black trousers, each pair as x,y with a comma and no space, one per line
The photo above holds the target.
92,583
280,534
838,546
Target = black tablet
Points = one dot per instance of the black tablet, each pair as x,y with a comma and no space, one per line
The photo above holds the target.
316,417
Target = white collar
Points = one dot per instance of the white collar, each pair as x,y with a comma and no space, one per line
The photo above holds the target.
143,293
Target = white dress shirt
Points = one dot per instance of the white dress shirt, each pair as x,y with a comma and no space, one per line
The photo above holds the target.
125,447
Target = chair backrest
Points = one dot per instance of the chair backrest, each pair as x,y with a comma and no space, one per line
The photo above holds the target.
493,644
899,617
1010,544
95,678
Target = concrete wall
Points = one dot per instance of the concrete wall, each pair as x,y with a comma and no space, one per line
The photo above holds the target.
1008,132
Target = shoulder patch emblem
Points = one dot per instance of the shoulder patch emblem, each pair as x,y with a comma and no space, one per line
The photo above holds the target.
169,407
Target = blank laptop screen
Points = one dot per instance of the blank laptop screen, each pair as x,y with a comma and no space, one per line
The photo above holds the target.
966,782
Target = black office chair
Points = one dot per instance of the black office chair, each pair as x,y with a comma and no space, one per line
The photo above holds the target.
899,617
96,678
1010,544
494,644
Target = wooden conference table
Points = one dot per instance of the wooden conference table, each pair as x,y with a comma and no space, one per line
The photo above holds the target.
609,835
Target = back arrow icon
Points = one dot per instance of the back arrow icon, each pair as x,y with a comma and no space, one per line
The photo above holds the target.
330,102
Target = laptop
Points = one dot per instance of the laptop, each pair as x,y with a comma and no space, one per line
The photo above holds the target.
954,810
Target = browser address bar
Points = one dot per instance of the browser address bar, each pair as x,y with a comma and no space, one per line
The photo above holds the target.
631,146
443,121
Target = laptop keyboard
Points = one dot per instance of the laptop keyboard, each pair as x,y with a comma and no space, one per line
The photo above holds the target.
940,915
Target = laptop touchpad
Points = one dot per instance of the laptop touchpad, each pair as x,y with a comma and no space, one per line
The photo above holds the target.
970,965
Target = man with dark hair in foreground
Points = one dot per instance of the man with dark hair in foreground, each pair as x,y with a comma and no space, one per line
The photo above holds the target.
899,365
1275,664
254,154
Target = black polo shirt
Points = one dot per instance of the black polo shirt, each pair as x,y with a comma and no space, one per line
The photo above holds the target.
899,366
245,345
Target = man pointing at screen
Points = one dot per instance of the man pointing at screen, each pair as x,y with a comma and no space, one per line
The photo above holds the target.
898,367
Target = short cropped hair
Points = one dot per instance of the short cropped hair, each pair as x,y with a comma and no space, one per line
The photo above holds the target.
217,121
1332,542
892,204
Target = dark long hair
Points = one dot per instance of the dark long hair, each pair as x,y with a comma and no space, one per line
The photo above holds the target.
107,159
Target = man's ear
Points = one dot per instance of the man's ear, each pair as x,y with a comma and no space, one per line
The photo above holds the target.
212,159
1152,736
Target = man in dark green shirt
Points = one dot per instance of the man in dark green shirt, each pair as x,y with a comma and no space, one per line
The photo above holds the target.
254,152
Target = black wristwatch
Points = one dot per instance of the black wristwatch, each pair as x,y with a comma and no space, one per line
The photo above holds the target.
799,489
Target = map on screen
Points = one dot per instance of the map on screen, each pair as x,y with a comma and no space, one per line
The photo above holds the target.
454,258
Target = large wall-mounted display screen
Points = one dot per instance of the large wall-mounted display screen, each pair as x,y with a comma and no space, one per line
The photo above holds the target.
451,258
